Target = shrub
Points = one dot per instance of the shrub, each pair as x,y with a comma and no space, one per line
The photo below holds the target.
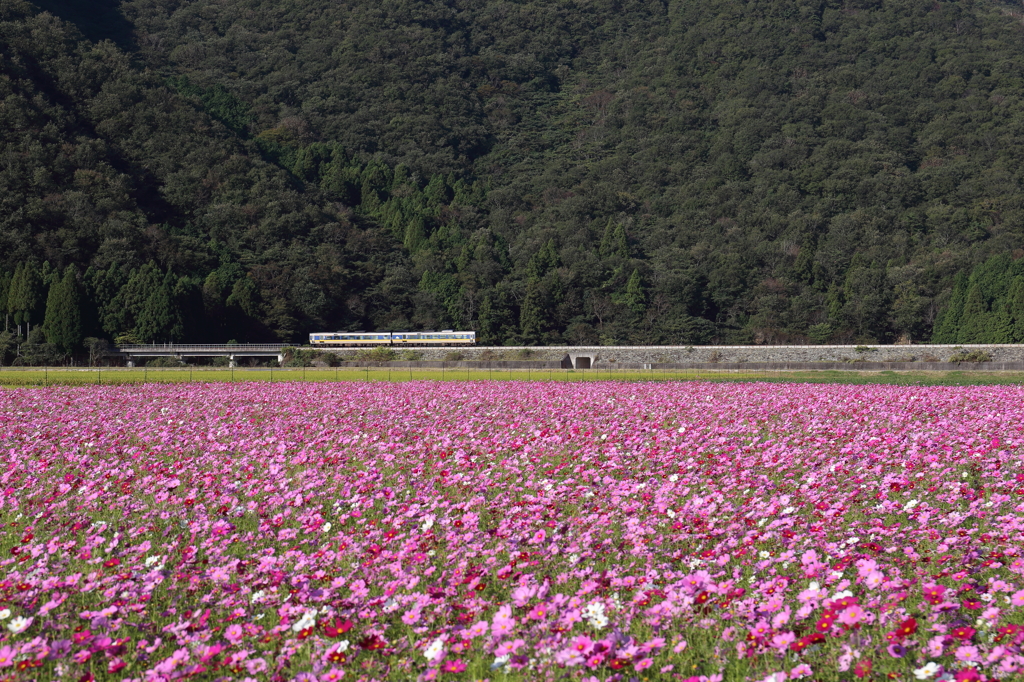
378,354
977,355
165,361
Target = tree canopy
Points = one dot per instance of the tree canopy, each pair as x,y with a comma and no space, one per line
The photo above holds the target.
599,171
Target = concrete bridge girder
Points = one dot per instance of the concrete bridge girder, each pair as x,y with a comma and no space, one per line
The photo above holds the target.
233,357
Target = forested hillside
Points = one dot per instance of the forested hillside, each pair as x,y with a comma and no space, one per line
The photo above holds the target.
564,171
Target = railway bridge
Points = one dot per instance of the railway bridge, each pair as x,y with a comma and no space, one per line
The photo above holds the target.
232,351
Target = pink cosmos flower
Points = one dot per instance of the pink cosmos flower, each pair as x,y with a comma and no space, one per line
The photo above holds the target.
1009,665
967,653
453,666
502,626
255,665
1017,599
934,594
802,670
852,615
508,648
582,644
332,675
539,612
782,640
234,633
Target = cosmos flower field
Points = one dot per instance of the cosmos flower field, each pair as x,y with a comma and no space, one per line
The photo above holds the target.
512,531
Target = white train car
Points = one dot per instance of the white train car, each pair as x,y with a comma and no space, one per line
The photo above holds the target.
350,339
444,338
447,337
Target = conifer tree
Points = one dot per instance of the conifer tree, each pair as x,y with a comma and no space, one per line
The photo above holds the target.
25,295
635,298
974,321
1015,308
63,322
156,317
5,287
531,313
948,322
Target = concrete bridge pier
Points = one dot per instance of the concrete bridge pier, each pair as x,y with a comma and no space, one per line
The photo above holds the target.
580,360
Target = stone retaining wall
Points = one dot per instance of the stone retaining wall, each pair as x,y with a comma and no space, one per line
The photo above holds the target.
918,357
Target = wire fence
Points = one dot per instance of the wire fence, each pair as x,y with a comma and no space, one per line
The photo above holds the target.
104,376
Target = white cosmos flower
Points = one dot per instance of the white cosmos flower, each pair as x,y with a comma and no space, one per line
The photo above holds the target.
927,670
435,650
6,613
19,624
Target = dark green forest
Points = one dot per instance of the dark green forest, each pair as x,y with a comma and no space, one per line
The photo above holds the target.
561,171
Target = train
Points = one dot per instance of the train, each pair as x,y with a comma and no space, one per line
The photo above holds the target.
448,337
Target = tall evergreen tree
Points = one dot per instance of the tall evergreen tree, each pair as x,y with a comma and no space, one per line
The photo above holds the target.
25,296
63,322
122,314
5,287
948,322
531,314
975,321
635,298
1015,309
156,318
